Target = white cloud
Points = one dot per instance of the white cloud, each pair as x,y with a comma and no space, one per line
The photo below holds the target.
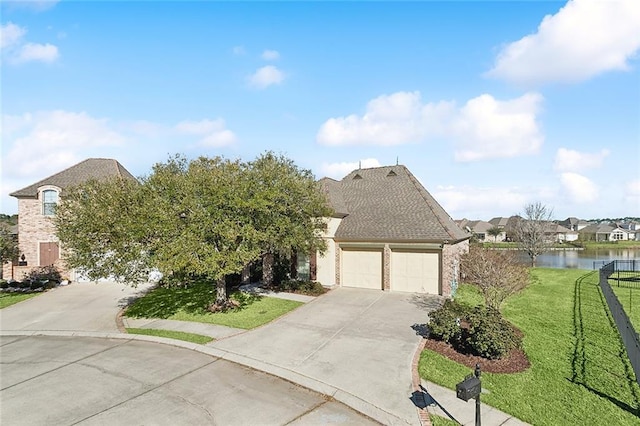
394,119
483,128
579,188
10,35
18,51
585,38
340,170
266,76
37,52
568,160
270,55
488,128
51,140
480,203
212,133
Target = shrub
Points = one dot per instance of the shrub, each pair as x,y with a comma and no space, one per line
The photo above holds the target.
36,284
25,284
310,288
489,334
44,273
444,322
4,284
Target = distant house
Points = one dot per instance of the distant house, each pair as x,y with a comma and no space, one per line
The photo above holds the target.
388,233
37,203
480,230
633,227
574,224
559,233
605,232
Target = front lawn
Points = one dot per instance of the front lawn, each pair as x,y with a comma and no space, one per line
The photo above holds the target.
8,299
629,297
190,303
579,373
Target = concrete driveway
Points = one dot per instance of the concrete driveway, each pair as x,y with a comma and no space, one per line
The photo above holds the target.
52,380
358,341
76,307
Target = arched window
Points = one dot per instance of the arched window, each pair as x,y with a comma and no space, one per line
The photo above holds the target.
49,202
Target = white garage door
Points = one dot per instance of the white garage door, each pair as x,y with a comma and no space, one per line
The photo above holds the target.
362,268
416,272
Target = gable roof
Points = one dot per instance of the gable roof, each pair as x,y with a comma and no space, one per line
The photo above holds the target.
92,168
332,188
388,203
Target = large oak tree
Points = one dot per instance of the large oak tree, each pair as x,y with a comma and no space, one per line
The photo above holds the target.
204,218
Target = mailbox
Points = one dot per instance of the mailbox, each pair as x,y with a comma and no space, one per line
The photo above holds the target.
468,388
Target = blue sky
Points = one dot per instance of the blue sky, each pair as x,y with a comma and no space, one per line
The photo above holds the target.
491,105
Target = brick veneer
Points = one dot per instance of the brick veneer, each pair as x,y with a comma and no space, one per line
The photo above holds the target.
451,264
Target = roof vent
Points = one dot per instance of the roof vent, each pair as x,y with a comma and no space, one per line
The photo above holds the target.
392,173
357,176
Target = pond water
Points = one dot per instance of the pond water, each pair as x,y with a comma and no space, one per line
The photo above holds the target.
582,259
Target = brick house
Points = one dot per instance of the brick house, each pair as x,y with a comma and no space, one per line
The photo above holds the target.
388,233
37,240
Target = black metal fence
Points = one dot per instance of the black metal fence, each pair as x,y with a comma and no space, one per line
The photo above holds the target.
629,336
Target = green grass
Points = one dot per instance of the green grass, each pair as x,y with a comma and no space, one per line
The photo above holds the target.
442,421
579,373
190,303
8,299
610,244
629,297
178,335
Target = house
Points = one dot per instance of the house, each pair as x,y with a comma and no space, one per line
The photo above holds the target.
559,233
480,230
574,224
388,233
37,240
633,227
605,232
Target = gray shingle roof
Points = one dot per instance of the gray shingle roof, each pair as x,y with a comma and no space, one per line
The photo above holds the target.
92,168
388,203
333,189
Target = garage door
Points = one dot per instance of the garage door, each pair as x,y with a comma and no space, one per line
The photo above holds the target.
416,272
362,268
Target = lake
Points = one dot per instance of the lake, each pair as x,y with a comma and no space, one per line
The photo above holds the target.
582,259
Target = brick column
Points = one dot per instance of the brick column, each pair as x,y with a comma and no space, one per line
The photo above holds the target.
386,268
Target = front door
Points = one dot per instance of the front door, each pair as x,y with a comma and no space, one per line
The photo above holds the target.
49,253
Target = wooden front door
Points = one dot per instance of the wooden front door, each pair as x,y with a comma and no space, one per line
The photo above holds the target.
49,253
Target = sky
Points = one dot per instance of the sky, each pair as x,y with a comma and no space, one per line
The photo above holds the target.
491,105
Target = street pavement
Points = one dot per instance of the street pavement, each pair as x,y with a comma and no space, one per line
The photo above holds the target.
53,380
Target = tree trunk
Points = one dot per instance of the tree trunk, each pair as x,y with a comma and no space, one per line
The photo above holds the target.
221,292
267,269
533,260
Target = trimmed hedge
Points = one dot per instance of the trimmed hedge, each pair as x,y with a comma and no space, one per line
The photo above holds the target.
480,330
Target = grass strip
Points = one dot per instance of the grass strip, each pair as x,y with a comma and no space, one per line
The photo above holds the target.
8,299
579,374
178,335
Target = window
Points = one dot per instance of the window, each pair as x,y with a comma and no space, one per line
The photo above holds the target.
49,202
618,236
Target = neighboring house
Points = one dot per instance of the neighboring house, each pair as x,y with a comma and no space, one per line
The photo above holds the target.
37,241
633,227
480,230
388,233
605,232
506,224
574,224
559,233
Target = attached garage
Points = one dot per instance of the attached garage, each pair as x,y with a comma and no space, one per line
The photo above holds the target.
415,271
361,268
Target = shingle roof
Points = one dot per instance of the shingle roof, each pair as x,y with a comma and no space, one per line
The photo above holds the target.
92,168
333,189
388,203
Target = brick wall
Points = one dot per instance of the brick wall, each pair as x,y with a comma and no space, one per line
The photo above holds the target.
451,264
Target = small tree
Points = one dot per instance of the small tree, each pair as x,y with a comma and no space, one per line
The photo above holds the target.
497,273
8,246
494,231
529,230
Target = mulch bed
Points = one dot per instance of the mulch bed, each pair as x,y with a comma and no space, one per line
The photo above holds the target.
515,362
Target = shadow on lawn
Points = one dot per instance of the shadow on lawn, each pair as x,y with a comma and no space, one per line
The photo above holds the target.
163,302
598,352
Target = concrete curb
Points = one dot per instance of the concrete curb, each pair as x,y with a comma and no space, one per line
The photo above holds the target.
339,395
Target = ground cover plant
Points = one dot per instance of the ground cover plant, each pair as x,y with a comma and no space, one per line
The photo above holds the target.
190,303
579,372
309,288
8,299
171,334
629,297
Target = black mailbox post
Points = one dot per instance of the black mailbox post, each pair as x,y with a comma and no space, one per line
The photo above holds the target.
470,388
